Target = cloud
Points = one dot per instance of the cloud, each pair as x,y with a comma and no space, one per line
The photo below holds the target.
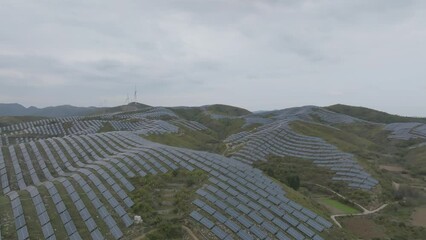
256,54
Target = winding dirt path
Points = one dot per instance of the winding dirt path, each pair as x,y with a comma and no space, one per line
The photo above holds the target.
189,231
365,211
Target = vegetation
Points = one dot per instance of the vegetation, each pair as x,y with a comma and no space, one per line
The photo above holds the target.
395,220
7,223
343,208
106,127
294,172
197,140
221,128
372,115
164,201
372,148
227,110
4,121
415,161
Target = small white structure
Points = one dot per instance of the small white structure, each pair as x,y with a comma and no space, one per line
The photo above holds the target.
137,219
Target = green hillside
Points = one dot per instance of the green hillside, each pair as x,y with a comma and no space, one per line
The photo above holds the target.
227,110
372,115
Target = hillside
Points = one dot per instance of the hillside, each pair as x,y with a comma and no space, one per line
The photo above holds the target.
372,115
14,109
212,172
226,110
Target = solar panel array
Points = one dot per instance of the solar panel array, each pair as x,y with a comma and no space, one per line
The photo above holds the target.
406,131
307,113
192,125
144,122
280,140
100,163
78,181
150,113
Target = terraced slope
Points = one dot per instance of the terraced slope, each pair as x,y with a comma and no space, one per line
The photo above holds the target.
280,140
406,131
72,182
72,177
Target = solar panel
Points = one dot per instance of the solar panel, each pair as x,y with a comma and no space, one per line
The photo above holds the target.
232,212
315,225
266,214
259,233
208,209
60,207
198,203
219,232
255,217
284,226
65,216
221,204
282,236
22,233
47,230
295,234
84,213
207,223
290,220
306,230
232,225
127,220
300,216
244,236
43,218
40,208
244,221
90,223
220,217
75,236
232,201
254,206
243,209
96,235
79,205
20,221
116,232
196,215
317,237
128,202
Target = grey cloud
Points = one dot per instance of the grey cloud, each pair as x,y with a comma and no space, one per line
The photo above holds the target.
257,54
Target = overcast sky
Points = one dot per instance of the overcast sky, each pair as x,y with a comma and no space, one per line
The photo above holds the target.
254,54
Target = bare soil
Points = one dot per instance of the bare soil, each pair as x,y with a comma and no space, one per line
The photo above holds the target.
418,218
392,168
363,227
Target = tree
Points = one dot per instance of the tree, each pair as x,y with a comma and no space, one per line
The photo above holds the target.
294,182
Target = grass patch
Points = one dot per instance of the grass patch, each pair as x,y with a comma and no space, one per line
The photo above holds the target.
197,140
7,221
341,207
106,127
227,110
221,128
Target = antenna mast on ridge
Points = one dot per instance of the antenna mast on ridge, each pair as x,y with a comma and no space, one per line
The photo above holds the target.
136,95
127,100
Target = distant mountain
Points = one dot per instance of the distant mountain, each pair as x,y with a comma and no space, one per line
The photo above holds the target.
226,110
372,115
15,109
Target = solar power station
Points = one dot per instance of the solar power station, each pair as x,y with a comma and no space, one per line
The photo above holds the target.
75,178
